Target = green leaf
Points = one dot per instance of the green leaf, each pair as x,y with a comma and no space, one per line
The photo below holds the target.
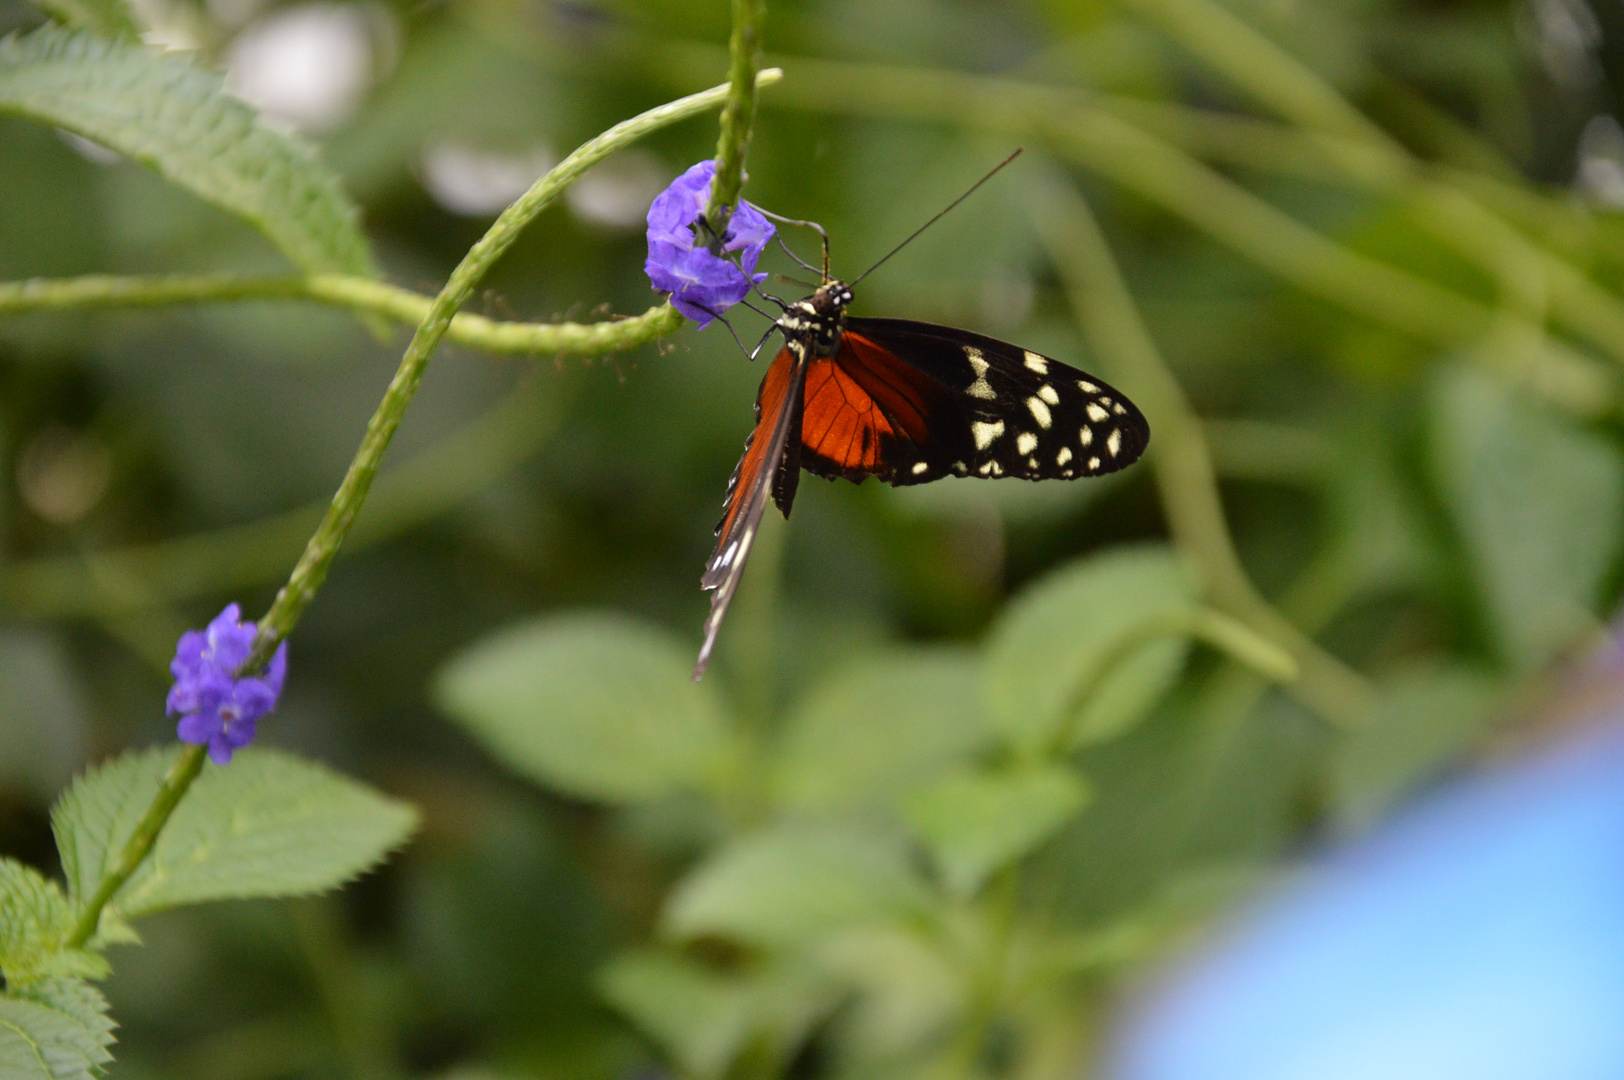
978,822
1539,505
108,18
704,1018
35,921
1424,720
1085,653
597,705
268,824
788,885
875,730
57,1030
162,110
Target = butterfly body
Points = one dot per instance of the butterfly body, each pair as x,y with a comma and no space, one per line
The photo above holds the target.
908,402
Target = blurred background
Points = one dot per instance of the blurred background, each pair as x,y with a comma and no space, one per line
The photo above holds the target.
1399,325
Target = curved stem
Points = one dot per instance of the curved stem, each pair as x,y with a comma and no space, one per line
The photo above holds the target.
363,296
739,114
311,570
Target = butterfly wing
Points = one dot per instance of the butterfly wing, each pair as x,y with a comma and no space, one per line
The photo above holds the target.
911,402
767,468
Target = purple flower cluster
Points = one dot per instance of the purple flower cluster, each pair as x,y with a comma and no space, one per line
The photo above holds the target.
702,284
217,709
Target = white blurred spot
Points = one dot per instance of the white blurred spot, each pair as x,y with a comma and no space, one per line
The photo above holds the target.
618,191
63,474
307,67
1601,161
477,183
1567,36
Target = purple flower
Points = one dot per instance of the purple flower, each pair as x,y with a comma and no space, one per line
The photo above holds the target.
702,284
217,709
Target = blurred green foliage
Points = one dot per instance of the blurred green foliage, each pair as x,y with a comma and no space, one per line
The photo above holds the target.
906,827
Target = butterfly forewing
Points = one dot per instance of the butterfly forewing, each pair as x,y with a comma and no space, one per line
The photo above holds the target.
759,472
951,402
907,402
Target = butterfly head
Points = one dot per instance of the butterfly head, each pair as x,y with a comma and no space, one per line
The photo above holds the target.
816,323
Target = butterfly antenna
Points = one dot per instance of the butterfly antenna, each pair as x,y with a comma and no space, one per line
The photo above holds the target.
805,224
915,234
717,315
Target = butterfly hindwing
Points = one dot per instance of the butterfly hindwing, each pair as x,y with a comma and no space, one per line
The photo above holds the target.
759,475
943,401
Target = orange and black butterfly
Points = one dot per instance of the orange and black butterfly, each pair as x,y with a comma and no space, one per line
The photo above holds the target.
907,402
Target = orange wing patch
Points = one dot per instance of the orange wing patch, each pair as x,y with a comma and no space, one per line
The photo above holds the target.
859,403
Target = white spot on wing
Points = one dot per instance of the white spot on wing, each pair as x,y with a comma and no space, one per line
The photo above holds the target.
1118,409
1088,436
1096,414
1026,442
985,433
986,468
1037,363
1087,387
1113,442
1049,394
1093,463
978,364
1064,455
919,467
1040,412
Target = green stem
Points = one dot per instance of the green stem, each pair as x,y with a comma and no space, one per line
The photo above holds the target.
360,295
311,570
739,114
335,526
174,785
1184,472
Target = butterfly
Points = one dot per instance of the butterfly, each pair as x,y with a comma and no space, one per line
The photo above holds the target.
907,403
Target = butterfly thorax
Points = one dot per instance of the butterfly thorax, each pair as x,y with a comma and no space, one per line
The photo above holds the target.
812,327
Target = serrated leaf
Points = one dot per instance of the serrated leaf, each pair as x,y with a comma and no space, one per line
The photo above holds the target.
35,923
975,823
164,111
1539,504
55,1031
108,18
268,824
875,730
1423,720
787,885
1083,654
597,705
